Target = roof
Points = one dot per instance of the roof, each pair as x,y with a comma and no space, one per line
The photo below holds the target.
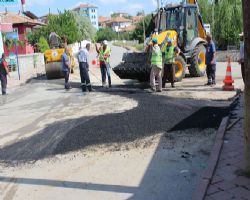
102,19
137,19
128,28
18,18
85,5
120,19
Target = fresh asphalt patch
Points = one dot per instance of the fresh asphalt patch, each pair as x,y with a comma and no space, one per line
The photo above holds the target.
154,114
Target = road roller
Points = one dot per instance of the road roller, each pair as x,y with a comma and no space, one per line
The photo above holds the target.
53,63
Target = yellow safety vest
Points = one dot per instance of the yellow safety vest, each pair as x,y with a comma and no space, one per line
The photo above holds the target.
169,55
156,58
103,53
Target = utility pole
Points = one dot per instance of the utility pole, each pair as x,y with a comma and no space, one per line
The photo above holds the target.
144,31
158,5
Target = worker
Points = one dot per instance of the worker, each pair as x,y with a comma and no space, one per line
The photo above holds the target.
169,54
83,58
241,58
156,66
210,61
53,40
66,67
104,56
4,71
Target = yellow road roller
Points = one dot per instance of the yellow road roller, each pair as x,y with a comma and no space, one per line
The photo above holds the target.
53,62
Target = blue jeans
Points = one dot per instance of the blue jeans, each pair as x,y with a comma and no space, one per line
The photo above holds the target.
105,69
66,78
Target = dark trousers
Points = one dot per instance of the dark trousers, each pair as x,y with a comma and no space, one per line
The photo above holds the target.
3,83
243,71
84,73
66,77
105,69
169,74
211,71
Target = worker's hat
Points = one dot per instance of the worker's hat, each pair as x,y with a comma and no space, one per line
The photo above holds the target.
241,34
105,42
169,40
154,40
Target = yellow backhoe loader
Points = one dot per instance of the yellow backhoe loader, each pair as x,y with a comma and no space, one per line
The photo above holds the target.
183,24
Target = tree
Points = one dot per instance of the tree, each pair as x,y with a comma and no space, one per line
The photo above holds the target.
85,28
64,25
227,19
246,18
43,44
149,28
105,34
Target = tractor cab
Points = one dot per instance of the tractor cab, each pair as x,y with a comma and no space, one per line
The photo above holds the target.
182,19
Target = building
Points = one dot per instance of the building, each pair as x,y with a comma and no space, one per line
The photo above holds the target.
119,23
103,21
137,19
90,11
17,22
45,18
120,14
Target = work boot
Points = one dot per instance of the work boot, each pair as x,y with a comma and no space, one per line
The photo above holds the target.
172,85
84,89
89,88
103,84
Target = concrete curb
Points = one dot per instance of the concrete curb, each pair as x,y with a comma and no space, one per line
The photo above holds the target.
202,186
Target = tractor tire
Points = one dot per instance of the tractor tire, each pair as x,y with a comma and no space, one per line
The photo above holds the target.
198,61
180,68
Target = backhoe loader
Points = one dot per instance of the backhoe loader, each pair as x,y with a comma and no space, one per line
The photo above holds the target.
184,25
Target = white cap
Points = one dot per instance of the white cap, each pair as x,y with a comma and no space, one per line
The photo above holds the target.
105,42
241,34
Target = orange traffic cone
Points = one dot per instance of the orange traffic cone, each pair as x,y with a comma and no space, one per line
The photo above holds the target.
228,81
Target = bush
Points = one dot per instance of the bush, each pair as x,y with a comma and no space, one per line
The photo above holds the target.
139,47
43,44
105,34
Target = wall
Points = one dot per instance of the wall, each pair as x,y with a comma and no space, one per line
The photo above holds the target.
30,66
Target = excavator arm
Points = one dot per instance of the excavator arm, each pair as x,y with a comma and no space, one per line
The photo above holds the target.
201,29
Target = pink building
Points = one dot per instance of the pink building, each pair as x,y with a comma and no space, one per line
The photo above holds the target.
22,25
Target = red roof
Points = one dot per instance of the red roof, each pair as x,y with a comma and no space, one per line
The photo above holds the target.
102,19
18,18
85,5
120,19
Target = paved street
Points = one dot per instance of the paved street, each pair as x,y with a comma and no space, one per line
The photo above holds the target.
119,143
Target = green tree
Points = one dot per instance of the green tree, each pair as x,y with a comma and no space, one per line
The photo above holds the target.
105,34
149,28
64,25
228,22
85,28
43,44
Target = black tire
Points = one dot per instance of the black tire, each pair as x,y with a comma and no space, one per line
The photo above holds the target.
198,65
180,68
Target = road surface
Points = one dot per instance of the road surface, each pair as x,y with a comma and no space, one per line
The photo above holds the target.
119,143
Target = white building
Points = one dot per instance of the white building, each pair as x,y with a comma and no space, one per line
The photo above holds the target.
90,11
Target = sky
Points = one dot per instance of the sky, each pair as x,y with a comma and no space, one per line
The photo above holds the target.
105,7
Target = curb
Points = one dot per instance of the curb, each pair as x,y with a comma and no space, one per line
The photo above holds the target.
202,186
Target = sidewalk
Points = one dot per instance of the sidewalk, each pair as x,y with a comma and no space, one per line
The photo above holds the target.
225,184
